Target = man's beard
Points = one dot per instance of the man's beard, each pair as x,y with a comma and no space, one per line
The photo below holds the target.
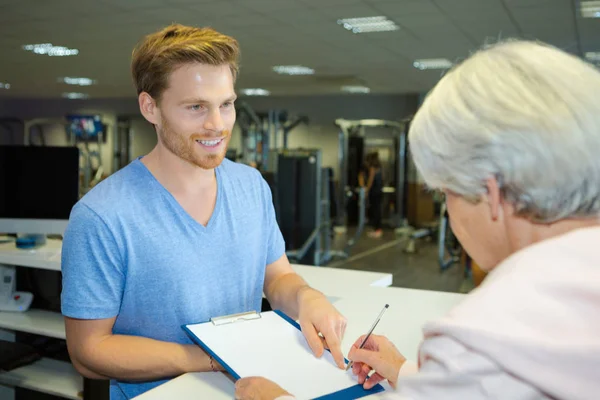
184,147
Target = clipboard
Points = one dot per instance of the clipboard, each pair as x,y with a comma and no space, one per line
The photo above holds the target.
271,345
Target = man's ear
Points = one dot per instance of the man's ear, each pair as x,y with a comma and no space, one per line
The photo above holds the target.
148,108
494,197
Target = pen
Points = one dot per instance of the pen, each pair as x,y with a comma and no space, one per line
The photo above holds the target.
369,333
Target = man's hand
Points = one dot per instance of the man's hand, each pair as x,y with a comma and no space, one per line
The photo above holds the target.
317,315
377,354
257,389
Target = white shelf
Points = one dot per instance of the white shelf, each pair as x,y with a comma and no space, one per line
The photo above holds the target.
54,377
39,322
45,257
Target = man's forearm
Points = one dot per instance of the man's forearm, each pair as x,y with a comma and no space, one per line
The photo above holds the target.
135,358
286,294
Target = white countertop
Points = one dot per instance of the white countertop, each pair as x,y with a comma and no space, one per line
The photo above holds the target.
409,309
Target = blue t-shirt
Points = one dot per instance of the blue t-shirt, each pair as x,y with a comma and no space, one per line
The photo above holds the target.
131,251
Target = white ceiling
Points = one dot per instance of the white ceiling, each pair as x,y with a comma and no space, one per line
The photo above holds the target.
275,32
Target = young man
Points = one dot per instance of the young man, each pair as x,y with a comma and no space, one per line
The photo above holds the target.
180,235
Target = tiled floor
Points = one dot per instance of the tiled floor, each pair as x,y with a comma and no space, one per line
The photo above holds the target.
419,270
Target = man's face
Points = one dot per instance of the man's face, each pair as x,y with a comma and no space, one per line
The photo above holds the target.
197,113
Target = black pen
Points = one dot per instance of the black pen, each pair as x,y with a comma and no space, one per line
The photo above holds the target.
369,334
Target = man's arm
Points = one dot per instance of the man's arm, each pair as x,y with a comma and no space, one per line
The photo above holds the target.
98,354
287,291
284,288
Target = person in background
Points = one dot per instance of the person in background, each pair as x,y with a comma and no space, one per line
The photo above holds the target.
181,234
512,137
374,187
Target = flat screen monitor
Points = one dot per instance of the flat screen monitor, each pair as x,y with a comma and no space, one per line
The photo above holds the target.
38,188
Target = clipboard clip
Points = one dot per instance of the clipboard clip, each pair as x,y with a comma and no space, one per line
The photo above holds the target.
233,318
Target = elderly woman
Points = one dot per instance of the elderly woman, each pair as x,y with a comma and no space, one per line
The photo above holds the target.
512,137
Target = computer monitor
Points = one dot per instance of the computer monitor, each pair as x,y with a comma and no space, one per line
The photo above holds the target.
38,188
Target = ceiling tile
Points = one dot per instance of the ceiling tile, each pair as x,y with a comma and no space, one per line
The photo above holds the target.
353,11
267,6
404,8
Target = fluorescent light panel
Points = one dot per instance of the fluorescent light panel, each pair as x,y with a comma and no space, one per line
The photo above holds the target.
255,92
293,70
50,50
433,63
592,56
74,95
355,89
77,81
368,24
4,85
590,9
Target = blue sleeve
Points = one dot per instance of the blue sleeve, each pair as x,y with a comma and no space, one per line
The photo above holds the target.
275,242
92,268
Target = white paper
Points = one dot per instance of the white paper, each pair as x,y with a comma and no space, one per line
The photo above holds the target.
272,348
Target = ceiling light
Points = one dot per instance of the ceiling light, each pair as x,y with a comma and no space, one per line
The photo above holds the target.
592,56
50,50
355,89
77,81
590,9
255,92
73,95
433,63
368,24
293,70
4,85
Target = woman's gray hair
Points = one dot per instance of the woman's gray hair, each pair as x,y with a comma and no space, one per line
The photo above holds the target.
525,113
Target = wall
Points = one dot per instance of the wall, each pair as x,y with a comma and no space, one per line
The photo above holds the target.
321,111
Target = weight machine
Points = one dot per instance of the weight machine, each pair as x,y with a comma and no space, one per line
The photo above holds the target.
261,134
352,137
255,139
304,207
81,131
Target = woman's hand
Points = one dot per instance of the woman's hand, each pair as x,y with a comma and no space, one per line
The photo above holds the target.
377,354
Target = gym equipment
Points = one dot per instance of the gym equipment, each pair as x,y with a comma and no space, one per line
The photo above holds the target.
281,124
81,131
352,138
255,137
299,193
302,200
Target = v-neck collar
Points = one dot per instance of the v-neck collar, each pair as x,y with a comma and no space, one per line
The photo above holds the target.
213,218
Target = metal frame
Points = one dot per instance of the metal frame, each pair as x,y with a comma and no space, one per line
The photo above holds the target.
251,124
354,127
87,154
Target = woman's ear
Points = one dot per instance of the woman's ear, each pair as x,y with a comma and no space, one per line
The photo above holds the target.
494,197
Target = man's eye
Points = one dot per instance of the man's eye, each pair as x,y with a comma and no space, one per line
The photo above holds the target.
195,107
228,104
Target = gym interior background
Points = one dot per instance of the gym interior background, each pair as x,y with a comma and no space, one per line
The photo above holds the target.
319,88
